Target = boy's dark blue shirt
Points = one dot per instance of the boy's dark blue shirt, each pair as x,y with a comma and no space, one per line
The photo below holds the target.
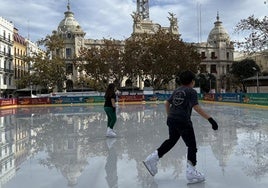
182,101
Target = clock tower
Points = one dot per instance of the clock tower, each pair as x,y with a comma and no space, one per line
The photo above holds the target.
143,24
73,35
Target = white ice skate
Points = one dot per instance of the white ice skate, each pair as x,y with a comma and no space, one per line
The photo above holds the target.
193,176
110,133
151,163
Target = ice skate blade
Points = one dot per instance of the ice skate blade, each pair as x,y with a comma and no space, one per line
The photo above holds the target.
148,168
194,181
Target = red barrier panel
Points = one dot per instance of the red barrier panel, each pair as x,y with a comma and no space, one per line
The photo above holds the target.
209,97
8,102
34,101
131,98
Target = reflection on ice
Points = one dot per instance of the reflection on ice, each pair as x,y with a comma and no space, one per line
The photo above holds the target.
67,147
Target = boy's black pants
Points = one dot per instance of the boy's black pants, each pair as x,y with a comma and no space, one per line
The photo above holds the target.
177,129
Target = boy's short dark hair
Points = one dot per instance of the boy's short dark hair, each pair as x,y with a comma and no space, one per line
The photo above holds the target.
186,77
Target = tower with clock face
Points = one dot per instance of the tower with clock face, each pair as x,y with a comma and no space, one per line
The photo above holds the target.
73,36
143,24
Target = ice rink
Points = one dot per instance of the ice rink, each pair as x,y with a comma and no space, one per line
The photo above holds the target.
61,147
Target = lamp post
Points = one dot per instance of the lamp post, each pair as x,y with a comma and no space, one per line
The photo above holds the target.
258,88
31,88
82,85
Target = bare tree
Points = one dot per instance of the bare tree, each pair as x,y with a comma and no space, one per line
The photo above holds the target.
257,39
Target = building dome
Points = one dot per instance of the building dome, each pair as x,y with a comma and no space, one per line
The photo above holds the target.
218,33
69,24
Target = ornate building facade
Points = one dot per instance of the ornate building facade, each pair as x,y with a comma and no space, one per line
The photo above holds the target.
217,53
217,56
74,39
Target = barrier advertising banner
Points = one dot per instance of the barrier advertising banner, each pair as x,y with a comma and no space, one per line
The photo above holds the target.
228,97
255,98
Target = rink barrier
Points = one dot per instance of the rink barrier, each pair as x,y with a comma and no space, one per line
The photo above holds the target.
243,98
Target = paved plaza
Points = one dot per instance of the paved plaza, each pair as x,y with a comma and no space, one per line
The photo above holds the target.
65,146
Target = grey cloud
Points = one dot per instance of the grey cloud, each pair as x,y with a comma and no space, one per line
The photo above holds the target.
106,18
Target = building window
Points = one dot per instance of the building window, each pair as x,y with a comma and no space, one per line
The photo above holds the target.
227,55
5,65
5,80
16,73
69,69
213,56
213,69
68,52
203,55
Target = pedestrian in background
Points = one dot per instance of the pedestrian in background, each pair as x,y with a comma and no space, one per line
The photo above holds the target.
110,109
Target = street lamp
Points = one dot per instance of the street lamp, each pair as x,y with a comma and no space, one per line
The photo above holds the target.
31,87
258,89
82,85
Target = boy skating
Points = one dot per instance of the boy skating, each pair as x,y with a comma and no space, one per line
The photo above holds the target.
179,108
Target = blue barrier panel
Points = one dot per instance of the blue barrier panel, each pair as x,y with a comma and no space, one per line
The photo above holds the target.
151,97
93,99
163,97
228,97
77,99
66,100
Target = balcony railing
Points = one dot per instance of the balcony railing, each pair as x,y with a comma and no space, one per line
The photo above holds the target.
6,40
7,55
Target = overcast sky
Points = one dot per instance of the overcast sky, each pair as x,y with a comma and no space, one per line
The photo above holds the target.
112,18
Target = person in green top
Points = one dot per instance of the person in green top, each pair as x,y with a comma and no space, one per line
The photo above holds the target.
109,108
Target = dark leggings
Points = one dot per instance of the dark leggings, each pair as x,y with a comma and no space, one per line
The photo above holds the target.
111,116
184,129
